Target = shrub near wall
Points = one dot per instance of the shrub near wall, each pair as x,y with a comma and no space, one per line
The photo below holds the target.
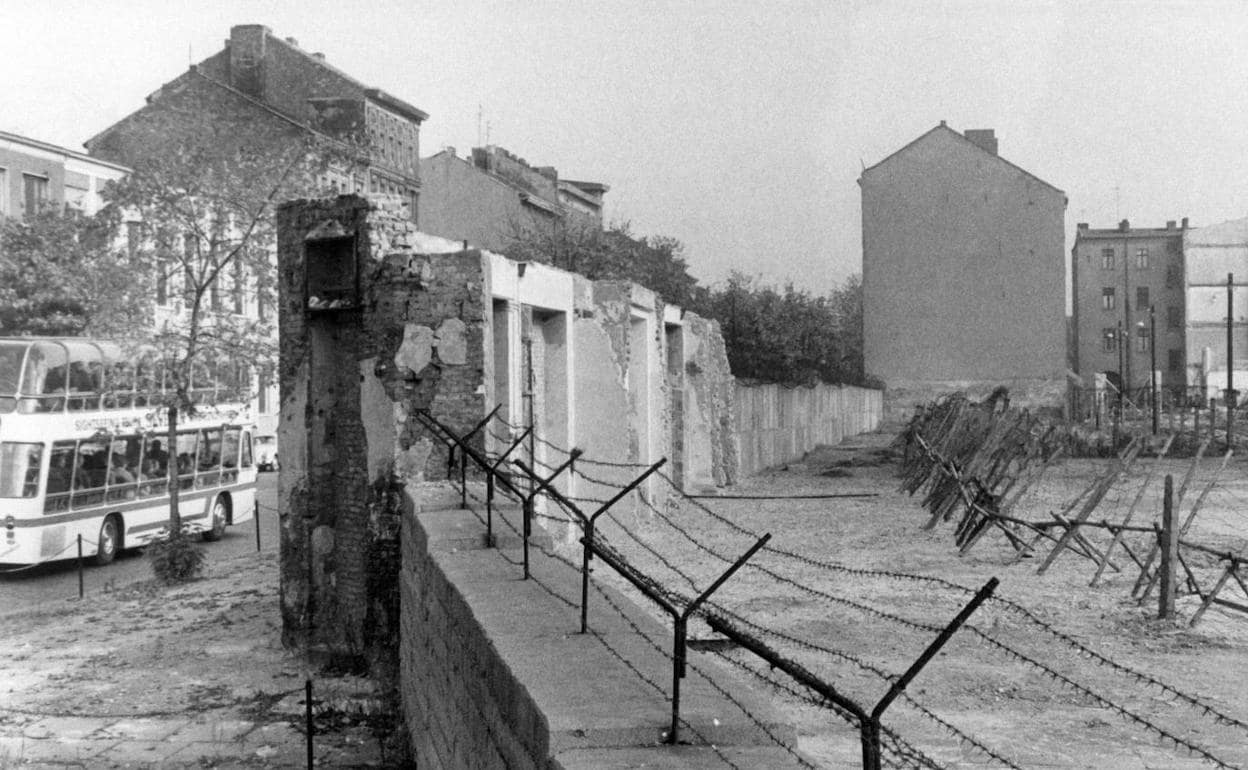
776,424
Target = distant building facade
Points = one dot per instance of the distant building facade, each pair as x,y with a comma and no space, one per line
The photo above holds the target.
278,91
1117,275
35,174
494,196
1212,255
963,273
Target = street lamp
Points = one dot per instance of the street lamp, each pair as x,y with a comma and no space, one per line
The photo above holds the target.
1152,353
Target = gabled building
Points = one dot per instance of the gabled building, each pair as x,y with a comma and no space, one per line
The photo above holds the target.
34,174
1117,275
494,196
257,72
963,273
278,94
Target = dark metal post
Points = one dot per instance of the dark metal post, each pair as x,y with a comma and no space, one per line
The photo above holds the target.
307,712
1169,552
256,516
922,661
680,643
80,584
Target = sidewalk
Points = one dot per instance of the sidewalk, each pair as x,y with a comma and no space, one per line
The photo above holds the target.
190,676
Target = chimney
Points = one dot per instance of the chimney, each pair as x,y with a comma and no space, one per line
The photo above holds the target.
1184,223
318,56
1170,223
293,42
984,138
247,49
1124,226
1082,226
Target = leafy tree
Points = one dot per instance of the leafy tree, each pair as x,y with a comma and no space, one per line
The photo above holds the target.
202,196
61,275
658,263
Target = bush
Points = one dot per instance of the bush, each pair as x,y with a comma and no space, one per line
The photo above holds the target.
175,558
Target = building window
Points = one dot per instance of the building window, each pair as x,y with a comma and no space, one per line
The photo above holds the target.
4,191
1141,258
1174,276
1141,343
1110,338
1107,259
1141,298
1109,300
1174,317
1175,361
35,192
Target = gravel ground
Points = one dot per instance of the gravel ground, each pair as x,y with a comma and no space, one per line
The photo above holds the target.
1088,679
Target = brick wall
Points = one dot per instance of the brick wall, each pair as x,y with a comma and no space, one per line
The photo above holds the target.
487,685
352,380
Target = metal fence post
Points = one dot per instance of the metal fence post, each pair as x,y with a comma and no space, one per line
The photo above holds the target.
1169,552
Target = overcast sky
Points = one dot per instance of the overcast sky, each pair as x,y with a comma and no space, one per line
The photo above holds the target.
738,127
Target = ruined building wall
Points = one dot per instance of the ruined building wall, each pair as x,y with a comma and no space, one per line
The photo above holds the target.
379,321
352,378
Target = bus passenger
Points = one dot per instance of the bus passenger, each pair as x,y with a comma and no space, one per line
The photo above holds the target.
118,473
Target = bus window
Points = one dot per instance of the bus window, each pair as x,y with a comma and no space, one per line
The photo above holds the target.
19,469
210,450
61,468
45,377
185,454
123,468
247,450
155,459
11,354
92,464
229,448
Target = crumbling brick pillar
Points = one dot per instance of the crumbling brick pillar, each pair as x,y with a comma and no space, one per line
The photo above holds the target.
371,331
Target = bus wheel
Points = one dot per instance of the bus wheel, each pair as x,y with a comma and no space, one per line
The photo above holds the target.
220,510
109,541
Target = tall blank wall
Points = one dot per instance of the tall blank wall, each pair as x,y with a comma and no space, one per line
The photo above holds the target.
777,424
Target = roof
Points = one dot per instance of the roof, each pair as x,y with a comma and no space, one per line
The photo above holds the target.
1231,233
590,187
195,71
54,148
942,127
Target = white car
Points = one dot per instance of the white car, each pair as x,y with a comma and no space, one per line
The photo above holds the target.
266,452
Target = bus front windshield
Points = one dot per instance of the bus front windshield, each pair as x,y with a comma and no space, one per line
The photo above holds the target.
19,469
11,354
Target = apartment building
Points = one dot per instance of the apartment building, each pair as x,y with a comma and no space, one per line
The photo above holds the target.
1125,282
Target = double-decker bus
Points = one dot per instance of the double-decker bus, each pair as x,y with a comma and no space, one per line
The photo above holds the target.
83,452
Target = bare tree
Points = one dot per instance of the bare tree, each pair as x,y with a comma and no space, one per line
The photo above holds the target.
202,195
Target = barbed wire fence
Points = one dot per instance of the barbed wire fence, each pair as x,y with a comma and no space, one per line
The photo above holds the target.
672,554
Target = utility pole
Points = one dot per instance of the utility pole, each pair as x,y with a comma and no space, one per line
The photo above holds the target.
1230,358
1121,339
1152,350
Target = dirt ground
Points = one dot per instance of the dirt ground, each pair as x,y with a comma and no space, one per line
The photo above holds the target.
1068,676
854,588
143,675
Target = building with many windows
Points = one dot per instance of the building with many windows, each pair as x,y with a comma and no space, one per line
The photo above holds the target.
963,273
1118,276
34,174
271,89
